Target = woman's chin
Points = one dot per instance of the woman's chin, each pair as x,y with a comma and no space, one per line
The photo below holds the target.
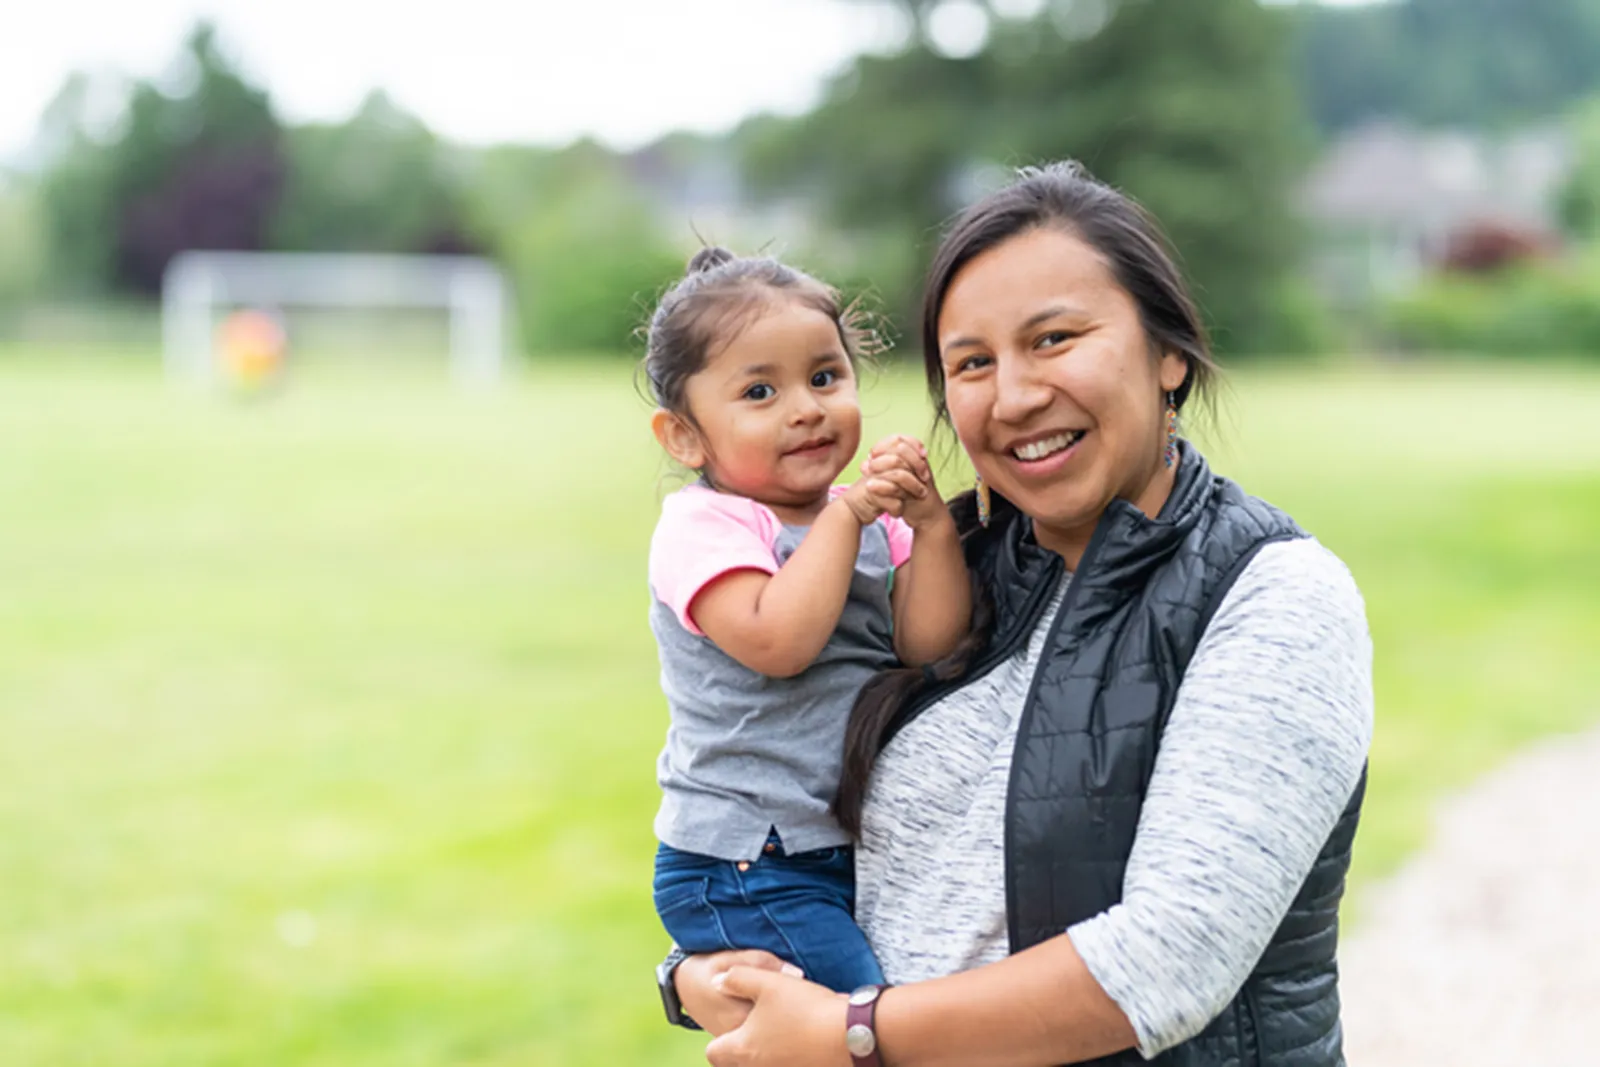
1063,512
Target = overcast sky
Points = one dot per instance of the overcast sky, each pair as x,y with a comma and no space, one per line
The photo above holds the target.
475,70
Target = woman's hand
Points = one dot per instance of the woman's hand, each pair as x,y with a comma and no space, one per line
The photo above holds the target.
902,462
791,1023
705,1003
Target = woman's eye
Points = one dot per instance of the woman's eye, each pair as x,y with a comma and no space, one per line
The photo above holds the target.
972,363
824,378
1053,338
759,392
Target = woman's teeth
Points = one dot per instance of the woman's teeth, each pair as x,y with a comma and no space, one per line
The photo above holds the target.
1049,446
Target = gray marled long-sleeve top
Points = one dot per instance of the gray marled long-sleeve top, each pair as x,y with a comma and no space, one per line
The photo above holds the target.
1262,751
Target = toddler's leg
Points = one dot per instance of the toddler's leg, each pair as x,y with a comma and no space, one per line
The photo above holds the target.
683,889
808,900
704,907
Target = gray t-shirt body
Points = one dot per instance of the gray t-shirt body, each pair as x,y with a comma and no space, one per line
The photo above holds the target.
746,753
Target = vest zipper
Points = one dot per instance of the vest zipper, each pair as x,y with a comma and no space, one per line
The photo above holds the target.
1026,720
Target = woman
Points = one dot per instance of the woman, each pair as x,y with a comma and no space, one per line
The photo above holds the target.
1116,823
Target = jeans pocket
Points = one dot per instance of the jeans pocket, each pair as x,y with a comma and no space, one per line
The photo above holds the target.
685,910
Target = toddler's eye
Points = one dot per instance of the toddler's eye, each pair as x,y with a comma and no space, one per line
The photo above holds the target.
824,378
759,391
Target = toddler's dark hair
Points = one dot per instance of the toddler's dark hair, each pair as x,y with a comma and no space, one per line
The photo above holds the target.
719,295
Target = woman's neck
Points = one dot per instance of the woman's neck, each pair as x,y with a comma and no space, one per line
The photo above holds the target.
1070,542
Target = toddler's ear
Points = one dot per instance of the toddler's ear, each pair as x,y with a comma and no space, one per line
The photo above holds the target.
679,438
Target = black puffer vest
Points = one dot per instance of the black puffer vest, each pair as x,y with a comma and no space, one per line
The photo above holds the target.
1132,616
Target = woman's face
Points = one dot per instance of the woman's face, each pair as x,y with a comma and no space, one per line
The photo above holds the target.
1052,385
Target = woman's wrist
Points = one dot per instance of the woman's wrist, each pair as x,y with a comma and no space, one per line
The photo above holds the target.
834,1022
938,522
861,1032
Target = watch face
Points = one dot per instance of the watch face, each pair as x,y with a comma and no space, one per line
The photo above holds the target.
859,1041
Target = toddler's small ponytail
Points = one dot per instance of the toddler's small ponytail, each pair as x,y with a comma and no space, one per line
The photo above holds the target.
709,258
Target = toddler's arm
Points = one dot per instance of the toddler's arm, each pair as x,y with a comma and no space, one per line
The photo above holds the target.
777,624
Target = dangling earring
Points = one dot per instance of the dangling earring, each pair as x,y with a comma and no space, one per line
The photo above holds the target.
1172,428
980,489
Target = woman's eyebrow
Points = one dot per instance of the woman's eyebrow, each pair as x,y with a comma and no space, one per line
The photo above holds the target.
1053,311
1032,321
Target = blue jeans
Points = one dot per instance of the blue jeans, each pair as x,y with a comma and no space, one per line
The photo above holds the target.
799,908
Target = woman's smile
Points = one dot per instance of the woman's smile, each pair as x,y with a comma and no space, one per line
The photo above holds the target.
1041,456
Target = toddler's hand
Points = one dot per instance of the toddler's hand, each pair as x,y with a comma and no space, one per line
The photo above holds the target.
894,458
880,494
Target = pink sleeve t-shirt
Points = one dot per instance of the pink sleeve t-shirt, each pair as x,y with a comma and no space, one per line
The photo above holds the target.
704,534
745,753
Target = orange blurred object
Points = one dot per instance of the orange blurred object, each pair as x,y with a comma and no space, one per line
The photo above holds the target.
251,345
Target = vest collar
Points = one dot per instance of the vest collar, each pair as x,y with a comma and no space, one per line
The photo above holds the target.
1127,545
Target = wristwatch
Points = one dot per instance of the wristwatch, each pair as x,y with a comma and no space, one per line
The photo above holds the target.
860,1026
669,991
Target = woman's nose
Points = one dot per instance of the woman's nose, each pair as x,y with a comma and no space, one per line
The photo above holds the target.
1019,390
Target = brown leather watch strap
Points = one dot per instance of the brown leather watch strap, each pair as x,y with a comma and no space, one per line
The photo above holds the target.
860,1026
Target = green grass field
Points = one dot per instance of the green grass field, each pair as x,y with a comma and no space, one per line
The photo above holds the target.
328,725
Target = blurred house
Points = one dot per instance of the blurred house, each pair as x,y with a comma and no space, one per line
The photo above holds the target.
696,187
1387,201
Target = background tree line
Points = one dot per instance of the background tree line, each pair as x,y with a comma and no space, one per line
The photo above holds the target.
1209,113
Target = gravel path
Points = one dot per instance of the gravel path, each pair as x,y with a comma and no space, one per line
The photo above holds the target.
1485,948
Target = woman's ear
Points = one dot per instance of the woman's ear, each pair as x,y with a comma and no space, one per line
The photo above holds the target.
1174,370
679,438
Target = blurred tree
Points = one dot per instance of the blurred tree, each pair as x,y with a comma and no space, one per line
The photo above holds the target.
1189,107
1192,109
198,164
1437,62
22,242
75,193
583,244
379,182
200,169
1580,198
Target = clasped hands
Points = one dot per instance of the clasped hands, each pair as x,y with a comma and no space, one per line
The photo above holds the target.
896,480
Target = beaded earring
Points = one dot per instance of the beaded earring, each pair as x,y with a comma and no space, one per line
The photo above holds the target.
980,489
1172,428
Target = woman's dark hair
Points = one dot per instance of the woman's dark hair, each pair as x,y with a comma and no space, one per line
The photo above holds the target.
1061,196
718,295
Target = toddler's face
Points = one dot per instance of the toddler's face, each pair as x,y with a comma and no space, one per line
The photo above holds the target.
777,408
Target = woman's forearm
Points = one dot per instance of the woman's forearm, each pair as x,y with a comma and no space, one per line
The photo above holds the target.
935,610
1036,1008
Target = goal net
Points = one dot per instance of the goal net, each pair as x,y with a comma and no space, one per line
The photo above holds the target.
200,287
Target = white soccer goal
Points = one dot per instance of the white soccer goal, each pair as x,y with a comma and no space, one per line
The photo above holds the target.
199,285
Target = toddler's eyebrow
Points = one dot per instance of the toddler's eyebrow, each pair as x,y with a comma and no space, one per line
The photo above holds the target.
761,370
